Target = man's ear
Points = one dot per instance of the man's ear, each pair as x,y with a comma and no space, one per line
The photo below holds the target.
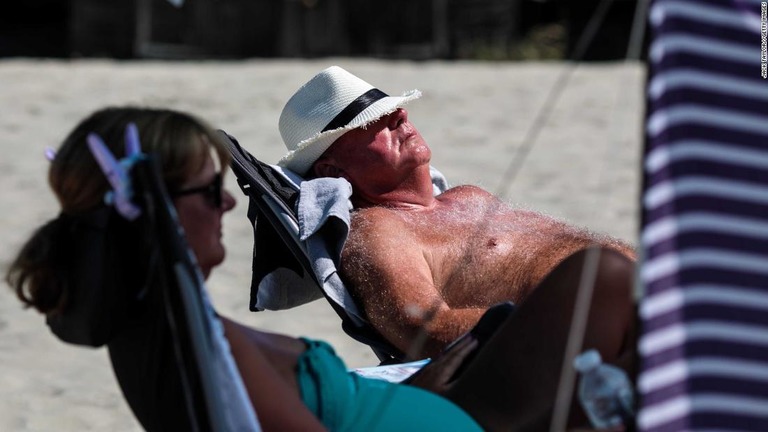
326,168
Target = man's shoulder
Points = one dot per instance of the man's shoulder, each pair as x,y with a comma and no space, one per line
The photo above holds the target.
464,192
378,229
376,219
374,212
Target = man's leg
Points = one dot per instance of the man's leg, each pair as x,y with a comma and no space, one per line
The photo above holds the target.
512,383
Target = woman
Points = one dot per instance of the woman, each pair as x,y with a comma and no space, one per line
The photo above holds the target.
293,384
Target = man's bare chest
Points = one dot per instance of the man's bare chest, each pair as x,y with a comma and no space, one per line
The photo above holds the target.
482,251
478,250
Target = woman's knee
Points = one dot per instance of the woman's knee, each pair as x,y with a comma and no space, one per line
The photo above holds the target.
610,268
615,272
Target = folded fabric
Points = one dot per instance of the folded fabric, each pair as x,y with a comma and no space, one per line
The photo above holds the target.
237,413
439,182
279,281
324,213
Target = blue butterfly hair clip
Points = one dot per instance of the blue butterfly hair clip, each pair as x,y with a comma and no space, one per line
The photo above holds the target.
118,171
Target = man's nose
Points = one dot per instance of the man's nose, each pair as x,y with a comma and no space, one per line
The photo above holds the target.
397,118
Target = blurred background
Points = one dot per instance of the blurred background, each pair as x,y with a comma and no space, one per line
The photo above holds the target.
494,84
236,29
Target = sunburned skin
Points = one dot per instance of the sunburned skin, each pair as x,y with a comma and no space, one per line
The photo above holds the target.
473,249
419,264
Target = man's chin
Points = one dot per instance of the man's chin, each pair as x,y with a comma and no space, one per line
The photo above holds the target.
423,152
424,158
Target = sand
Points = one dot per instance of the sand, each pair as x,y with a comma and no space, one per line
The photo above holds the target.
584,167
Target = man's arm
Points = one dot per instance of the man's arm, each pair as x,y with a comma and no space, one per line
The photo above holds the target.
389,274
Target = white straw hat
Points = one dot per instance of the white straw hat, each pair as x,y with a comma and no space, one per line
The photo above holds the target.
333,102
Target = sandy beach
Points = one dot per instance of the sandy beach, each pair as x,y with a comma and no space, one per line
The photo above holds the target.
584,168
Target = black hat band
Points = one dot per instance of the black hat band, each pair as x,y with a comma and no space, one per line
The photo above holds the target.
354,108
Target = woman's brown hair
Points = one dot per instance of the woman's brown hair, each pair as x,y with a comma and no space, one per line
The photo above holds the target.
178,140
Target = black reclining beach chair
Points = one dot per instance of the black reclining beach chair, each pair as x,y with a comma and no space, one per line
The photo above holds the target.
281,258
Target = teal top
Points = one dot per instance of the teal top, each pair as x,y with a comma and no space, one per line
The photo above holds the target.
344,401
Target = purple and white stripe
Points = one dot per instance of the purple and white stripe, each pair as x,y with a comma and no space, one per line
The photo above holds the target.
705,220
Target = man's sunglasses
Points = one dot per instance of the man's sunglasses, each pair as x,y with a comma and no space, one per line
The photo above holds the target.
211,191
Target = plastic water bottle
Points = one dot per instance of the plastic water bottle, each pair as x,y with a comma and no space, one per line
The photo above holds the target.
605,392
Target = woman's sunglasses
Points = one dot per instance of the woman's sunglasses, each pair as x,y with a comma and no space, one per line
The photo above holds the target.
211,191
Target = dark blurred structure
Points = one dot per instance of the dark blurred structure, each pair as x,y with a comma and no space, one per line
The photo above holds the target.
37,28
613,36
412,29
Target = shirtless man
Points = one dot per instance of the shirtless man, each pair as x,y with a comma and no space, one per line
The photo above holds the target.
417,262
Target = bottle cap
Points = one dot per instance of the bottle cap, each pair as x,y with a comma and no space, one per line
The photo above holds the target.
587,360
